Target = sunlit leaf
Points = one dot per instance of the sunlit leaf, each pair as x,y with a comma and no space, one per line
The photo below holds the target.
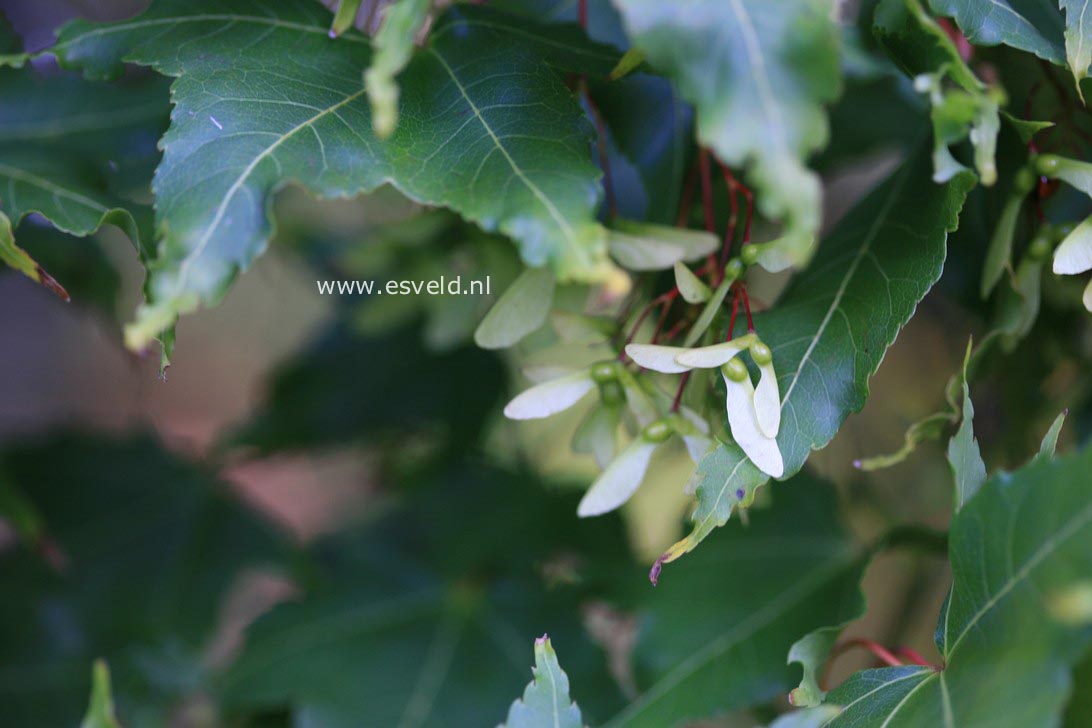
830,330
758,74
520,165
545,702
1021,543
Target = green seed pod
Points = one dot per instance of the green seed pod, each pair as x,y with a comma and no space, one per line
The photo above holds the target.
1046,164
1024,181
612,394
761,353
749,254
735,370
604,371
734,269
1041,246
658,431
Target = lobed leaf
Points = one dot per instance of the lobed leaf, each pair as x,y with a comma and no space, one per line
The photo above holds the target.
509,150
713,637
758,74
830,330
545,702
1028,25
1018,549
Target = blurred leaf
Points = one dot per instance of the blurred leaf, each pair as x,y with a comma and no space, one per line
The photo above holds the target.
1078,38
78,153
1025,539
546,702
344,17
150,546
423,616
1029,25
393,44
459,151
100,712
758,74
520,310
651,130
21,261
88,274
1050,439
714,635
831,328
963,453
1026,128
964,108
349,388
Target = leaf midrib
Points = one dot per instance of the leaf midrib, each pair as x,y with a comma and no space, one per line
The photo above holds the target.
1048,547
23,175
738,633
541,196
202,18
221,210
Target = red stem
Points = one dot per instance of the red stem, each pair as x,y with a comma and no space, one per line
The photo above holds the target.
881,652
582,12
707,189
747,308
732,318
665,298
682,219
678,393
672,294
914,656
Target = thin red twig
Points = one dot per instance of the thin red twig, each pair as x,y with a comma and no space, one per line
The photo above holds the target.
707,190
747,307
582,12
678,393
881,652
732,318
682,218
913,656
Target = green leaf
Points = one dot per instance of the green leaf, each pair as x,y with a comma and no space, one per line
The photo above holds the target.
930,427
344,17
963,453
393,43
100,711
964,108
713,637
1078,38
1029,25
1050,439
520,310
1020,546
520,165
691,288
545,702
397,626
1026,128
650,131
758,74
147,547
645,246
999,252
833,325
78,153
21,261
